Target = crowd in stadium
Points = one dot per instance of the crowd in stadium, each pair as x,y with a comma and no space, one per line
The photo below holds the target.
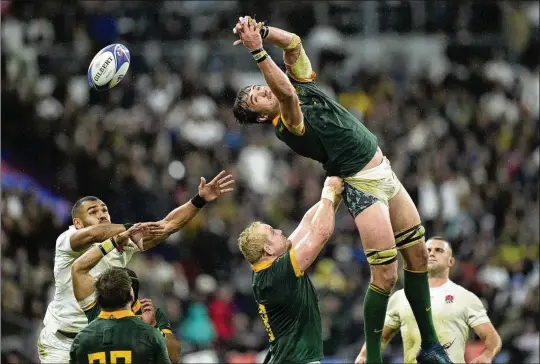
464,144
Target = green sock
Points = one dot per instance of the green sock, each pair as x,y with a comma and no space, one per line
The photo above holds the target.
417,293
375,304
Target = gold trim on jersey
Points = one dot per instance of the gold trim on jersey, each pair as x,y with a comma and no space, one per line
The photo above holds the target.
136,306
295,129
89,306
115,315
263,264
166,331
275,120
298,130
297,271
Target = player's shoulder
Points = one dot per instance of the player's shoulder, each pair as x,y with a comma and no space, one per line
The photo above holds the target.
63,240
460,290
67,233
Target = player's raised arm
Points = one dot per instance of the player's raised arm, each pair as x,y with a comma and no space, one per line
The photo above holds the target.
276,79
83,282
305,225
320,226
179,217
296,60
91,234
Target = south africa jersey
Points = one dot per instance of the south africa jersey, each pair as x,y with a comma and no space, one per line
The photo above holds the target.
332,135
119,337
92,310
288,306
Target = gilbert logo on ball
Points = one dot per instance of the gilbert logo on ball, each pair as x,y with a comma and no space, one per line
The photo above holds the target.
108,67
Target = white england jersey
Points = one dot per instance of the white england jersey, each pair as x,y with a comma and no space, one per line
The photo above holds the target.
454,311
64,312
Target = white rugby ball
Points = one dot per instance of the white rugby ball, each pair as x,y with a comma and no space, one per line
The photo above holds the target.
108,67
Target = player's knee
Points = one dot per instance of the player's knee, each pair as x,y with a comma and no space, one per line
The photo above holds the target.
384,276
383,267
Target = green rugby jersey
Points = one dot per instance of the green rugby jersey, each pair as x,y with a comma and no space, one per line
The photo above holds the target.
119,337
163,324
289,308
332,135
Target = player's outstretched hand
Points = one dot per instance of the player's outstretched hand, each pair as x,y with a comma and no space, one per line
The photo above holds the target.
249,32
222,183
142,230
334,183
148,312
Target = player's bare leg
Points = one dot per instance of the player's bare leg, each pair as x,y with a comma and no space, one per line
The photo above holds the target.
375,228
410,241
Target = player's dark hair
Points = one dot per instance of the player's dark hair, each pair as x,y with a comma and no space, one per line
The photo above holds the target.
80,202
437,237
134,282
113,289
241,110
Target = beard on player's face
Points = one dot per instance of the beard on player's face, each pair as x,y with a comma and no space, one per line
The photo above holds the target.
437,268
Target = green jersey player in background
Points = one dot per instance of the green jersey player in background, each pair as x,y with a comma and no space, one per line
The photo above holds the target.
116,335
286,298
317,127
84,291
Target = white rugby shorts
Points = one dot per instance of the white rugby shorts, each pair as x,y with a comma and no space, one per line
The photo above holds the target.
53,348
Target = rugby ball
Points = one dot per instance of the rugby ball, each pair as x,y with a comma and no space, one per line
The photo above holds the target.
108,67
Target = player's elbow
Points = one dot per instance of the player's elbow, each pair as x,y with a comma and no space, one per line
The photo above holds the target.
76,267
287,94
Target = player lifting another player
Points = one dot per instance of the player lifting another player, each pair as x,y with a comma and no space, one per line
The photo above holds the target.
315,126
287,300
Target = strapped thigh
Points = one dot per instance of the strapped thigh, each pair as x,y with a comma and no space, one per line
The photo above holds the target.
410,237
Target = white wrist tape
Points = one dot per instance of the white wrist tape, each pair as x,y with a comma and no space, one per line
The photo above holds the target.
328,193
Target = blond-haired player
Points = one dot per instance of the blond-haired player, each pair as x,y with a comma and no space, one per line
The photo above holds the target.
455,311
315,126
91,225
287,300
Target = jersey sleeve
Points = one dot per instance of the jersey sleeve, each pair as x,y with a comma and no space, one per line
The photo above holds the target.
161,354
63,243
392,319
301,70
476,312
90,307
163,323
